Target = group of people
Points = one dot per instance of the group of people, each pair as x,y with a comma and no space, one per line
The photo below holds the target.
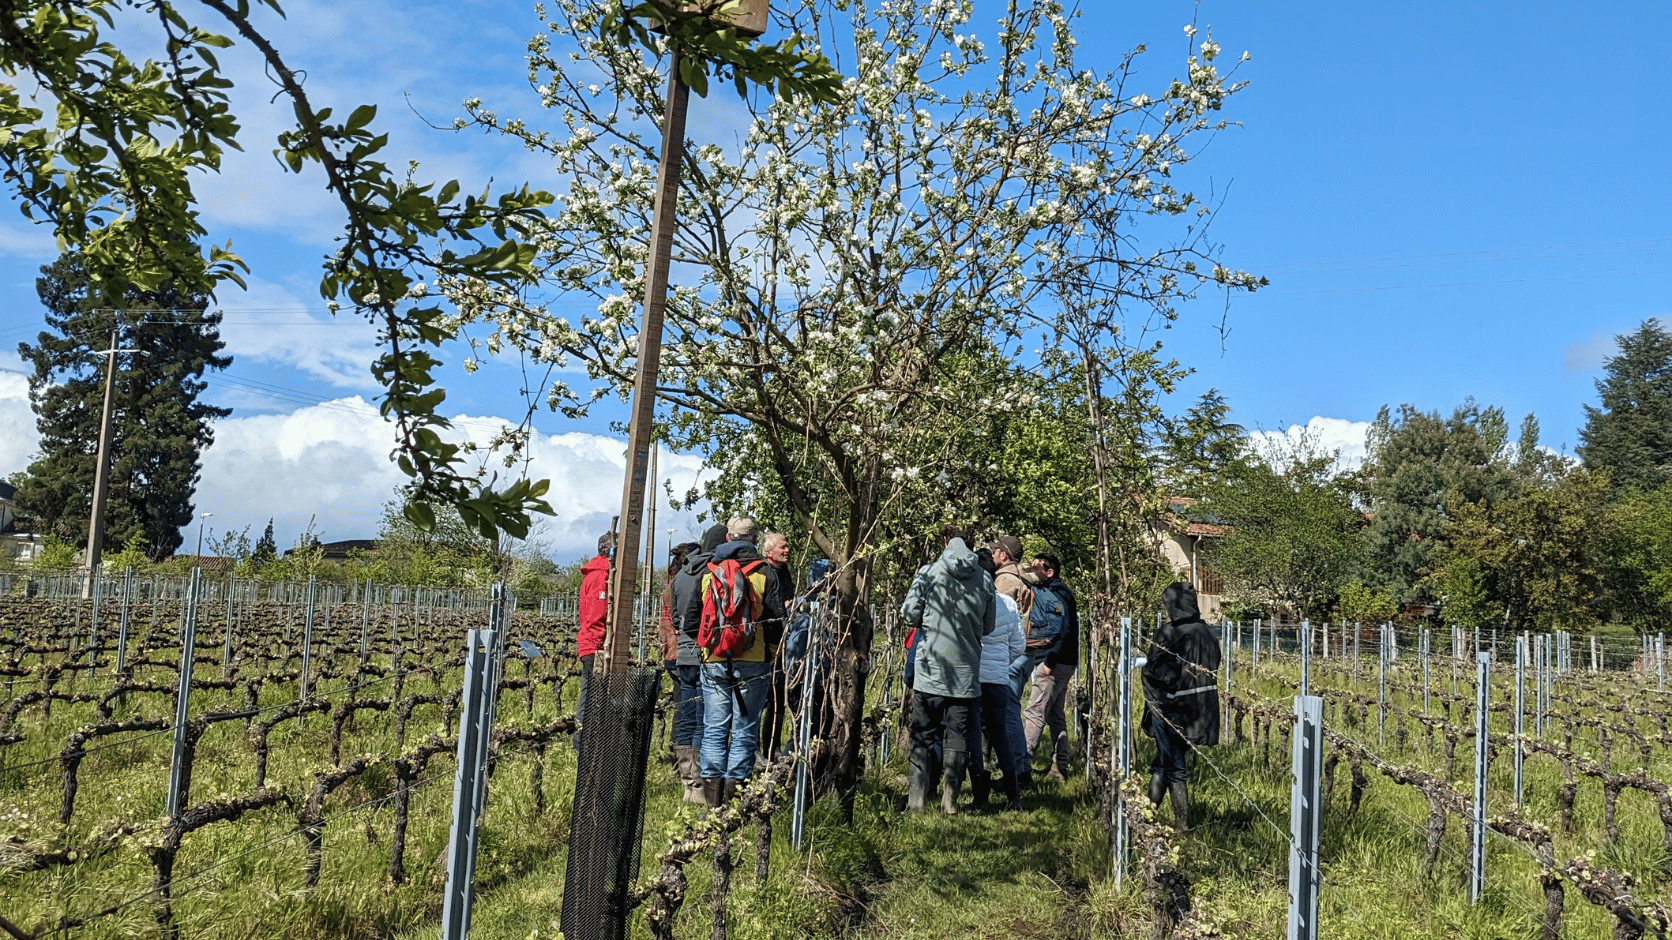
985,628
723,697
989,628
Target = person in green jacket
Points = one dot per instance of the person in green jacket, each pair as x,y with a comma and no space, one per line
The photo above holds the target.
950,605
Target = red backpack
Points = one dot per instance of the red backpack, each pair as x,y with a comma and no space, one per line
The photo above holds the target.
729,605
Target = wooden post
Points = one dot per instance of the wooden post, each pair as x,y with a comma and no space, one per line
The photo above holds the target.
614,656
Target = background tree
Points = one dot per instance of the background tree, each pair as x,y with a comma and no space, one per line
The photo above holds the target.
1291,534
266,549
1417,465
1641,589
1630,435
1361,605
1541,554
1202,445
160,425
852,269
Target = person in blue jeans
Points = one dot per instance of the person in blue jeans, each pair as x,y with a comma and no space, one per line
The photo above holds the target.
735,688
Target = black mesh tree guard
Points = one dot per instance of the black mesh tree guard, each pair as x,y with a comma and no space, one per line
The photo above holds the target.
607,822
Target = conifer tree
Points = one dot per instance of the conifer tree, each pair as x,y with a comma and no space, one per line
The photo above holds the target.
266,549
1630,436
159,427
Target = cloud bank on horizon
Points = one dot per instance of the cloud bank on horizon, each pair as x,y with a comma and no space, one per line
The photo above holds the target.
328,464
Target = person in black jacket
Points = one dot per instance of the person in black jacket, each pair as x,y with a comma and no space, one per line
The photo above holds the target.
1181,696
685,604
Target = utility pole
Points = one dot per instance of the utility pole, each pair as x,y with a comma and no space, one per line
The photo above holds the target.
101,482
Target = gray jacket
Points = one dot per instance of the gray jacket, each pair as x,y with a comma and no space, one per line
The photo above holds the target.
951,604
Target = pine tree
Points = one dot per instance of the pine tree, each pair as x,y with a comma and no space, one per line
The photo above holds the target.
1418,465
266,549
159,428
1630,436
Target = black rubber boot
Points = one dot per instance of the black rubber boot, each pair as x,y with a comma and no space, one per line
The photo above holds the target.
917,779
1181,806
952,780
981,785
711,791
1012,792
728,789
1157,788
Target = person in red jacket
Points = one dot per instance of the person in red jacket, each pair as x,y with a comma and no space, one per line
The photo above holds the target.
593,608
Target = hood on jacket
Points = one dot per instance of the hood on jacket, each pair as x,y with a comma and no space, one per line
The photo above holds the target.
957,560
741,550
1179,601
596,563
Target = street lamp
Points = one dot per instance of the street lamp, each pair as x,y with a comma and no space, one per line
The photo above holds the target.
201,518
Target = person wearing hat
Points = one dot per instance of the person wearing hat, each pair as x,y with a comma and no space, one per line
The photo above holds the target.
1014,581
593,611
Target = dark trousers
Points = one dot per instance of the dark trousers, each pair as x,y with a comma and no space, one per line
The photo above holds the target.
777,705
586,682
988,721
931,716
1170,750
687,697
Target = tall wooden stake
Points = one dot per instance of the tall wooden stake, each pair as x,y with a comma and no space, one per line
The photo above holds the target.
614,656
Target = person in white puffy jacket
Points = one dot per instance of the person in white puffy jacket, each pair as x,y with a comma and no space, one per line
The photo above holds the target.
998,649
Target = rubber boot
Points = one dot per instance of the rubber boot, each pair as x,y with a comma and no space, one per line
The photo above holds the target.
728,789
690,773
711,791
1181,806
952,780
1012,792
1157,788
917,779
981,785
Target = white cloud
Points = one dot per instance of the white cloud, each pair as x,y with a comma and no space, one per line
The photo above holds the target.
330,462
1329,434
425,59
1589,355
267,323
18,437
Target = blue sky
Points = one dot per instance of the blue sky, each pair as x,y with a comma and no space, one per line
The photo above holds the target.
1450,200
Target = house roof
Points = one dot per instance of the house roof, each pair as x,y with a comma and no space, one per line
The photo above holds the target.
341,548
8,492
1179,510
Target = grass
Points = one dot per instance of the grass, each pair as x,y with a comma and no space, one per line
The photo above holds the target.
1041,873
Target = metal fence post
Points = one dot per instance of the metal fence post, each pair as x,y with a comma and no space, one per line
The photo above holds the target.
475,729
1477,834
307,642
1254,662
1427,642
182,696
1230,652
1304,817
1123,740
122,625
1520,711
365,621
1306,657
1382,688
98,595
804,723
